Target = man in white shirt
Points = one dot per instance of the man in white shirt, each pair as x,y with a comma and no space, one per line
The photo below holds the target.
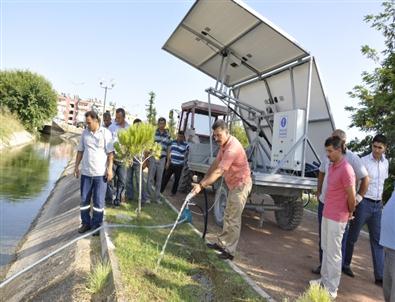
369,209
119,169
362,178
387,240
95,153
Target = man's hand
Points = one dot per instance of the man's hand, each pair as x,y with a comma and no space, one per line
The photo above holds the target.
350,216
109,175
76,172
196,189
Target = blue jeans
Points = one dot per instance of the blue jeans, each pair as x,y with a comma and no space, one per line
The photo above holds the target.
370,213
132,174
345,235
95,186
117,186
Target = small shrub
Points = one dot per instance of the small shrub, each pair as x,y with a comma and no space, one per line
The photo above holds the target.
98,278
315,293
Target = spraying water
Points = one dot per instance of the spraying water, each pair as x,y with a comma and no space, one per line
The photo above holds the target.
187,200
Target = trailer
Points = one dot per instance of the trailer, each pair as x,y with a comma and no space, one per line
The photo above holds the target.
264,77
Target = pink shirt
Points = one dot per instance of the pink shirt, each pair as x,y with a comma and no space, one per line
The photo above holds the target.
233,161
340,177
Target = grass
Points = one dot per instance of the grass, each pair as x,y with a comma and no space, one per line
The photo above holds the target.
98,278
315,293
9,124
189,271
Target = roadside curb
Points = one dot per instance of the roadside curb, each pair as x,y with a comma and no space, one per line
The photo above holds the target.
233,266
108,254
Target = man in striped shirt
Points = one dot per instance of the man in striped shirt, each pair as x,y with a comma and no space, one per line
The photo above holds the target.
175,162
156,167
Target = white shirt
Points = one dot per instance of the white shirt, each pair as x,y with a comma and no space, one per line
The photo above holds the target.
114,128
95,147
356,163
378,173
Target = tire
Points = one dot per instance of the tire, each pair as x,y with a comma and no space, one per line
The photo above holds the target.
185,184
221,195
291,215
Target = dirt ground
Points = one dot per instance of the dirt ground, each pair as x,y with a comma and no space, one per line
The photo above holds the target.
281,261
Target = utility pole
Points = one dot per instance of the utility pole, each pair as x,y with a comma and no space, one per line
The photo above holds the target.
106,87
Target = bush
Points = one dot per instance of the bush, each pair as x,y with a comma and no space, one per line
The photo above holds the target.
315,293
28,95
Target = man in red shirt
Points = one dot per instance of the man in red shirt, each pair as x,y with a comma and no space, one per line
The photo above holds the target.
231,163
338,209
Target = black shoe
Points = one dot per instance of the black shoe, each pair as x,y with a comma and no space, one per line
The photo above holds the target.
225,256
347,270
215,247
116,203
316,270
379,282
83,228
97,233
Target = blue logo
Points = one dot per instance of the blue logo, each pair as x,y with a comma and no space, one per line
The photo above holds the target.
283,122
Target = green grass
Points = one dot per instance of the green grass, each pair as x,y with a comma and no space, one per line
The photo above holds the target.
8,125
189,271
315,293
98,278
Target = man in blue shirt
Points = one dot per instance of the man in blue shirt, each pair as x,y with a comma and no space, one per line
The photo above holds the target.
387,240
175,162
156,167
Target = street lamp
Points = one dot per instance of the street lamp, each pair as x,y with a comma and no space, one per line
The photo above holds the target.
106,87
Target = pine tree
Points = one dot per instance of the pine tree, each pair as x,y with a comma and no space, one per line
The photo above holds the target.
150,109
172,124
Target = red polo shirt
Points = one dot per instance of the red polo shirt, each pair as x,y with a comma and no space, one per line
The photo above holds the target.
340,177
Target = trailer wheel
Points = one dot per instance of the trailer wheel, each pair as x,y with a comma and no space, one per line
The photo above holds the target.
291,214
221,195
185,185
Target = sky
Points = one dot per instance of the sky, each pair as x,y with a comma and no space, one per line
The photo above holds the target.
77,44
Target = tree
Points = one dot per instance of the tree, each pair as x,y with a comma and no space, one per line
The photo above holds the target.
137,142
150,109
238,131
375,112
172,124
28,95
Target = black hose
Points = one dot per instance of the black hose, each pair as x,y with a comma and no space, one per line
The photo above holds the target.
205,214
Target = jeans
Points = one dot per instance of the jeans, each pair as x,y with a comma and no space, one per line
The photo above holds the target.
117,186
132,174
345,235
95,186
173,169
370,213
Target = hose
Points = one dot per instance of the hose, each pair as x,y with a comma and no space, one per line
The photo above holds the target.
163,226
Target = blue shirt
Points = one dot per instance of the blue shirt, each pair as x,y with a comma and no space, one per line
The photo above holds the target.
177,152
387,234
163,138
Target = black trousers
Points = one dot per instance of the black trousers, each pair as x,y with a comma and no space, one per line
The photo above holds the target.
173,169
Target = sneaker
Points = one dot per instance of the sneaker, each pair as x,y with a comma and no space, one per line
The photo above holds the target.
215,246
333,295
83,228
347,270
315,282
316,270
225,256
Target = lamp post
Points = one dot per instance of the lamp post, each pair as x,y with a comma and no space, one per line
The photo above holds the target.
106,87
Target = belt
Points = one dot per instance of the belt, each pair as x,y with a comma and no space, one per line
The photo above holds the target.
372,200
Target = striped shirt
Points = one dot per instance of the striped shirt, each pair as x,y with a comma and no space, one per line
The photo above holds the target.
178,152
163,138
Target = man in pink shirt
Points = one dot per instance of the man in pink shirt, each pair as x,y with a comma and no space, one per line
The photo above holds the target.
338,209
231,163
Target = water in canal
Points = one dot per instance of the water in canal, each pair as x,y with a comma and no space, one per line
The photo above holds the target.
27,176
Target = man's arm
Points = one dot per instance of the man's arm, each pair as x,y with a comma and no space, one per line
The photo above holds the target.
351,199
211,176
77,163
363,188
320,181
110,159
